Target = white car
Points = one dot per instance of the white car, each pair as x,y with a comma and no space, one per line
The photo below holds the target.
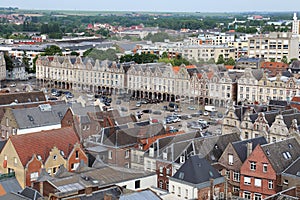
205,113
202,121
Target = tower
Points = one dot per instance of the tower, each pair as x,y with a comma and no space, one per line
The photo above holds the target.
295,28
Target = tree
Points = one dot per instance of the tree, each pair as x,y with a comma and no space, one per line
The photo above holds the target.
221,59
25,61
74,53
284,59
8,62
230,61
52,50
164,55
272,60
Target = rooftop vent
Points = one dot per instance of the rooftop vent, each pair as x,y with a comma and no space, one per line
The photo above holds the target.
45,107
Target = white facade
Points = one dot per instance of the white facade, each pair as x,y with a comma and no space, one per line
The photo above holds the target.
275,45
182,190
142,183
2,67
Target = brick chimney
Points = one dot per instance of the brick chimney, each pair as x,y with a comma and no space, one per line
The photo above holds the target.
249,148
107,196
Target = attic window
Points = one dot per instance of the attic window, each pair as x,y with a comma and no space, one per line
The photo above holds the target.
290,145
268,152
181,175
286,155
211,174
216,146
30,118
54,158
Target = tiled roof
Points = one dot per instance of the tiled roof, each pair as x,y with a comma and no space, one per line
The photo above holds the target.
212,147
35,117
294,168
282,154
23,97
196,170
241,146
40,143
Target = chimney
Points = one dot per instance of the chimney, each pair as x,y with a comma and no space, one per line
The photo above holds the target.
298,191
249,148
211,181
107,196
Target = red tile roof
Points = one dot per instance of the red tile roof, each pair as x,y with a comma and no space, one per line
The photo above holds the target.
296,99
41,143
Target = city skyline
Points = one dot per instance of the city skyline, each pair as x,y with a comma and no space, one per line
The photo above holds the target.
158,6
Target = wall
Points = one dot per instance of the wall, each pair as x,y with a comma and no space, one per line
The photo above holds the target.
145,182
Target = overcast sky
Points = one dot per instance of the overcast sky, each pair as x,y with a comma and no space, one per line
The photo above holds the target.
157,5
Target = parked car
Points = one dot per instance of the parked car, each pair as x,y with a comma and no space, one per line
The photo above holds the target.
205,113
138,104
191,108
118,101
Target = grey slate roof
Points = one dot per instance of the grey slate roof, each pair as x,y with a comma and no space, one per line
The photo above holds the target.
196,170
294,168
241,146
277,153
143,195
212,147
30,193
10,185
34,117
2,143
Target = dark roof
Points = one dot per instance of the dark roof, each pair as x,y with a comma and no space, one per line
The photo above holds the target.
9,185
241,146
282,154
142,195
2,143
294,168
23,97
30,193
278,102
212,147
196,170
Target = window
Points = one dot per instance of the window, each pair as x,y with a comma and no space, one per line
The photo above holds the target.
230,159
168,171
15,161
270,184
127,153
286,182
76,154
236,189
109,154
54,157
247,195
137,184
74,166
286,155
179,191
257,182
257,196
253,165
161,170
161,183
236,176
54,170
173,189
186,193
247,180
34,176
227,174
265,167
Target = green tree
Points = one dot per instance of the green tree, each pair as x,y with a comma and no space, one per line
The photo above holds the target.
164,55
230,61
52,50
272,60
221,59
74,53
284,59
8,62
25,61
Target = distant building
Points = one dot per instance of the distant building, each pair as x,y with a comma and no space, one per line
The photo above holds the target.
2,67
274,45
